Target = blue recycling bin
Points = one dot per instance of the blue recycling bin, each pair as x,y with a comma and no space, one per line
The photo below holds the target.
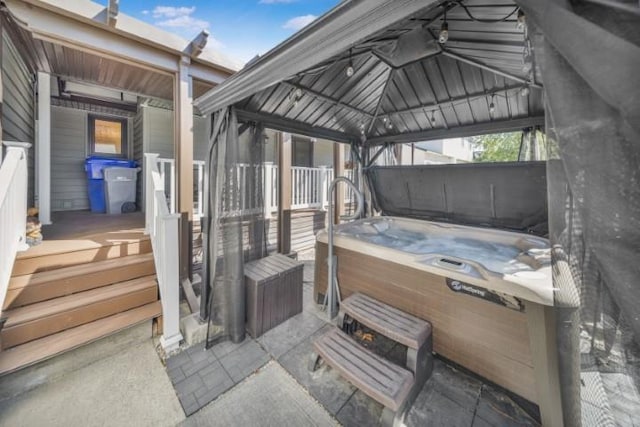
95,179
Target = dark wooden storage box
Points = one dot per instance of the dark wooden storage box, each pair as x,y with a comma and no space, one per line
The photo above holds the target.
274,292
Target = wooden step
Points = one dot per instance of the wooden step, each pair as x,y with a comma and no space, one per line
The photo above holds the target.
42,286
44,348
387,320
38,320
54,254
378,378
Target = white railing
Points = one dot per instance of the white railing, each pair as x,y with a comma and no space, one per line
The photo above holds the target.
162,227
198,182
309,187
270,188
13,209
167,171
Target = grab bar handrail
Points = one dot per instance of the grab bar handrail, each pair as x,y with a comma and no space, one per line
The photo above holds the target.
332,277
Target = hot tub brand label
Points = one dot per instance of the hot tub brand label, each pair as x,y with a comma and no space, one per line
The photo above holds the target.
487,295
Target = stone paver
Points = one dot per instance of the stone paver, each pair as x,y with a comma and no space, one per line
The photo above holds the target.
244,360
290,333
268,398
200,376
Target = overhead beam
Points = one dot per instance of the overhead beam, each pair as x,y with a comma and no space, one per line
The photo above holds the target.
470,97
112,12
207,74
199,42
284,125
66,31
392,73
498,126
487,67
327,99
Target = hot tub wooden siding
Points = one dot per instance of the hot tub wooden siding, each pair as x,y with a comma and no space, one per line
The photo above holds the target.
488,339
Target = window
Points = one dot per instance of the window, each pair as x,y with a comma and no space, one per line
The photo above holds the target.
107,136
302,152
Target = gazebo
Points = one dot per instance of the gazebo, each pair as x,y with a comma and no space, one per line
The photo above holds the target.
371,74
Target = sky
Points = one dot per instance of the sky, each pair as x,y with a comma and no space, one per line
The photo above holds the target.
238,28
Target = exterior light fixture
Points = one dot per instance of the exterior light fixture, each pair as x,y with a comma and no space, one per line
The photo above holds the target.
525,91
444,29
492,105
433,118
294,96
362,128
350,70
444,33
521,20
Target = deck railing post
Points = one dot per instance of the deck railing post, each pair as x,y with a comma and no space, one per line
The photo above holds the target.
150,160
171,335
268,188
323,187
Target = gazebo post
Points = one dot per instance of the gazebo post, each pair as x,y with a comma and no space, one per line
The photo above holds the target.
285,147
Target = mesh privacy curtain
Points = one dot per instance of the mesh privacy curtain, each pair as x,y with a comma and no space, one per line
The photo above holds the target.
588,56
234,226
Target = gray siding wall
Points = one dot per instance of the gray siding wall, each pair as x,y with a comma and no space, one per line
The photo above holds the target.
18,117
68,151
158,133
155,127
69,148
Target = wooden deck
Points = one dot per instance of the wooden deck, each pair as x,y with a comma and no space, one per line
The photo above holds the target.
92,275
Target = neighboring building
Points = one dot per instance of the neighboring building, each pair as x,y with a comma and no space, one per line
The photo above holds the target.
439,151
454,150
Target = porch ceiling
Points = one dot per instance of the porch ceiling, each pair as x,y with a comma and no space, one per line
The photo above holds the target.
77,65
406,86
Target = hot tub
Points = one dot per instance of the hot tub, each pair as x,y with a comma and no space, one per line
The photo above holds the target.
484,290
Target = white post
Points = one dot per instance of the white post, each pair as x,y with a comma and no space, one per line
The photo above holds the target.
43,148
183,143
268,188
171,335
200,189
322,187
150,159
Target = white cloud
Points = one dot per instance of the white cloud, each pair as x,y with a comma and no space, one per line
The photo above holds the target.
180,18
184,21
172,12
299,22
145,12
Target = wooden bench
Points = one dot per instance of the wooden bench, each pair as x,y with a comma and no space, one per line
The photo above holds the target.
393,386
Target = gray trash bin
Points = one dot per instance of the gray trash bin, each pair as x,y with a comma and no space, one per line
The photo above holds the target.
120,188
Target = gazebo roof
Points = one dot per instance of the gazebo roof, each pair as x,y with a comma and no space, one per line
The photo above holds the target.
406,85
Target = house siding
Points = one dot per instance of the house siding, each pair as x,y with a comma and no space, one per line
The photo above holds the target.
18,105
69,149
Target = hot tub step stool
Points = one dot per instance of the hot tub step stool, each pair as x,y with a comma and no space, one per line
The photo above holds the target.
393,386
